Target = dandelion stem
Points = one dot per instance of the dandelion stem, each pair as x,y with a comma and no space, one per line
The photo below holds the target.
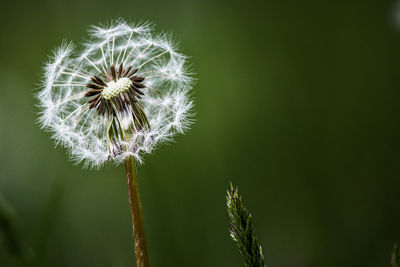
142,258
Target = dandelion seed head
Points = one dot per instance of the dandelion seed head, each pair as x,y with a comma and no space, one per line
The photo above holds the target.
122,94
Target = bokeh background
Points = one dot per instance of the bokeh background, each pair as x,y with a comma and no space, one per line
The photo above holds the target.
297,103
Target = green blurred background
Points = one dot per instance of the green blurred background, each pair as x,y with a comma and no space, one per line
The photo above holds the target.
297,103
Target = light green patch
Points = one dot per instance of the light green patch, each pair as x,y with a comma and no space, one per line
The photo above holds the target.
115,88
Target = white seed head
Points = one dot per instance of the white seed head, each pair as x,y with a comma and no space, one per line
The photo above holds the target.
122,94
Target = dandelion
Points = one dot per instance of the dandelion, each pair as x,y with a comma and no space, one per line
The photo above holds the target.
124,92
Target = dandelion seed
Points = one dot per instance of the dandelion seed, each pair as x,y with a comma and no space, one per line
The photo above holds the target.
121,95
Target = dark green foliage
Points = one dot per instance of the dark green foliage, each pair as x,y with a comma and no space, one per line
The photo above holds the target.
8,232
242,231
10,238
396,256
